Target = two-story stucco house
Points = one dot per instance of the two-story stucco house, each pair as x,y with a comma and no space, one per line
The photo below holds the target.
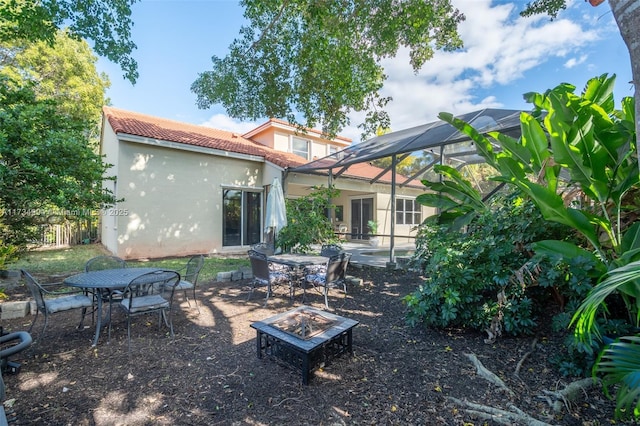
187,189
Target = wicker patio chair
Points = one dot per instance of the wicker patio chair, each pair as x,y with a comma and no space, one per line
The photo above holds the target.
329,250
263,248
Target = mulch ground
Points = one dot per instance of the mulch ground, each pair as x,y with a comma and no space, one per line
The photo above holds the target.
210,374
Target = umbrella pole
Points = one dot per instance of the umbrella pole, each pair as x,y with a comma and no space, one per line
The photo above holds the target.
270,239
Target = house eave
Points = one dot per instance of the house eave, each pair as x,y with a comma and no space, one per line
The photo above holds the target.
280,125
191,148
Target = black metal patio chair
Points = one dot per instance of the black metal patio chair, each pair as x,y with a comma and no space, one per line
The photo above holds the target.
51,302
100,263
190,277
265,274
150,293
333,276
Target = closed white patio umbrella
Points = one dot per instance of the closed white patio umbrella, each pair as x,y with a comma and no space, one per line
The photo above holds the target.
276,214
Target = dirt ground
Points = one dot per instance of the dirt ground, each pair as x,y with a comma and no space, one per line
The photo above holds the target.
210,373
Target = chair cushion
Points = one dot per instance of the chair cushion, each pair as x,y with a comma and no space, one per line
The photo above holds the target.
279,277
65,303
145,303
316,269
275,277
317,279
260,281
183,285
276,267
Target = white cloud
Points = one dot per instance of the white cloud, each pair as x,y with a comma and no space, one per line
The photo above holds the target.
574,62
499,48
224,122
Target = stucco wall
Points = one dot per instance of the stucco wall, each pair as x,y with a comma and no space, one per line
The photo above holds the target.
264,138
299,184
281,142
173,199
108,223
383,212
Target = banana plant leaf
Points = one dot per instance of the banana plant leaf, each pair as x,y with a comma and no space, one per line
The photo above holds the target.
565,250
624,279
483,145
620,365
535,140
631,239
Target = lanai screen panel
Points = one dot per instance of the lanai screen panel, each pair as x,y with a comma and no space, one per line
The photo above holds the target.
431,137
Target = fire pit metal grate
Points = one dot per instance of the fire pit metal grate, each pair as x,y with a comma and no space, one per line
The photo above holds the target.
304,324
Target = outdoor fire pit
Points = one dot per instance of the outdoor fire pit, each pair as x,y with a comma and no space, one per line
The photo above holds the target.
304,323
304,338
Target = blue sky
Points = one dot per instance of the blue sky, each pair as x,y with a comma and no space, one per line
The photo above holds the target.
504,56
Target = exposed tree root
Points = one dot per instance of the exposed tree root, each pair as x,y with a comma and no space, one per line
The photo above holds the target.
487,374
568,395
556,399
524,357
513,417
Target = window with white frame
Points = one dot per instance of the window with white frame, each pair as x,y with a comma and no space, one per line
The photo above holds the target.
300,147
331,149
408,212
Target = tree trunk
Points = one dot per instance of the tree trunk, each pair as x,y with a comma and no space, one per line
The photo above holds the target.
627,15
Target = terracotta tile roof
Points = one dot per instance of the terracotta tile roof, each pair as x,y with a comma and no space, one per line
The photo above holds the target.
366,171
143,125
137,124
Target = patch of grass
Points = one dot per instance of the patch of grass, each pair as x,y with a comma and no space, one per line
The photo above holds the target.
72,259
58,261
210,269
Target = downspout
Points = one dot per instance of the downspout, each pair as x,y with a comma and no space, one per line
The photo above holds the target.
285,174
394,161
329,199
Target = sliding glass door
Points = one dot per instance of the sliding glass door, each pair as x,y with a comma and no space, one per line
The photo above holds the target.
241,224
361,213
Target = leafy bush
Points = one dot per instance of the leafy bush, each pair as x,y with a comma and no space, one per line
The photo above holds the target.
7,254
307,221
470,275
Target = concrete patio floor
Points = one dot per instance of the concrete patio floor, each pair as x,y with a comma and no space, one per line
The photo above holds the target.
364,254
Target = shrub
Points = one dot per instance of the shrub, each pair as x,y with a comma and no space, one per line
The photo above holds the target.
470,275
307,221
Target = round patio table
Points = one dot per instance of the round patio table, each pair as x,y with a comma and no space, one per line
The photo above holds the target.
106,280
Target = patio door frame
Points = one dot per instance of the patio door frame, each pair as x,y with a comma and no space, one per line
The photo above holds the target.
247,222
362,209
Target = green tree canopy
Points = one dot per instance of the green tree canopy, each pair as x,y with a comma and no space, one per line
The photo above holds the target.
107,23
627,15
65,71
321,60
48,170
